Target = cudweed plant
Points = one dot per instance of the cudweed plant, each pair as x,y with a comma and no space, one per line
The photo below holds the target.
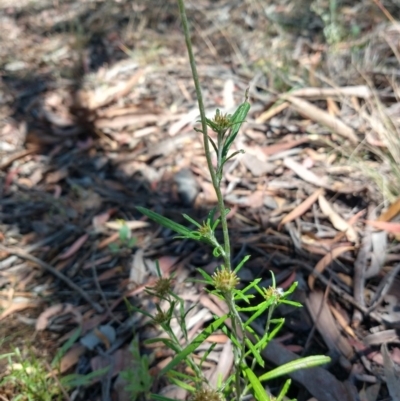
247,345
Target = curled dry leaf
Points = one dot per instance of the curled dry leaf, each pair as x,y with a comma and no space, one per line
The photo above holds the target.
338,222
326,261
55,310
302,208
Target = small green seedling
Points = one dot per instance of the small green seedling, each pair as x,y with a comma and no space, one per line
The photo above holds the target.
125,241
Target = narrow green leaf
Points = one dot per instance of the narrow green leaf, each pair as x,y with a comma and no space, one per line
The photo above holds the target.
238,295
254,352
237,120
261,342
168,343
263,305
188,218
197,341
212,124
206,276
165,222
279,323
230,335
182,376
75,380
262,308
291,289
259,391
208,352
284,390
158,397
251,285
292,303
242,262
182,384
233,155
211,215
293,366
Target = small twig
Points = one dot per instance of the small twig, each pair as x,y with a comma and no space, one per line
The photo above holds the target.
99,289
4,264
55,272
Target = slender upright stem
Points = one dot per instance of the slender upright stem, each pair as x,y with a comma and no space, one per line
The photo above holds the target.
221,205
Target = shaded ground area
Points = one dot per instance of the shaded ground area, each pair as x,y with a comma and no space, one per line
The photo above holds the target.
97,114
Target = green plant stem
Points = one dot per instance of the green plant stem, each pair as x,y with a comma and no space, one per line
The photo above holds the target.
221,206
239,352
237,324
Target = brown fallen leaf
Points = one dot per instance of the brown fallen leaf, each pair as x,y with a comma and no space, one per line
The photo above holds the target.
337,221
392,211
74,247
302,208
322,117
222,370
326,325
132,225
342,321
305,174
326,261
55,310
108,274
71,357
281,146
109,240
393,228
361,91
273,111
56,176
99,220
19,304
256,166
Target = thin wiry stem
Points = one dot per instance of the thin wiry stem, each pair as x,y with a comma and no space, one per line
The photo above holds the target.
215,182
